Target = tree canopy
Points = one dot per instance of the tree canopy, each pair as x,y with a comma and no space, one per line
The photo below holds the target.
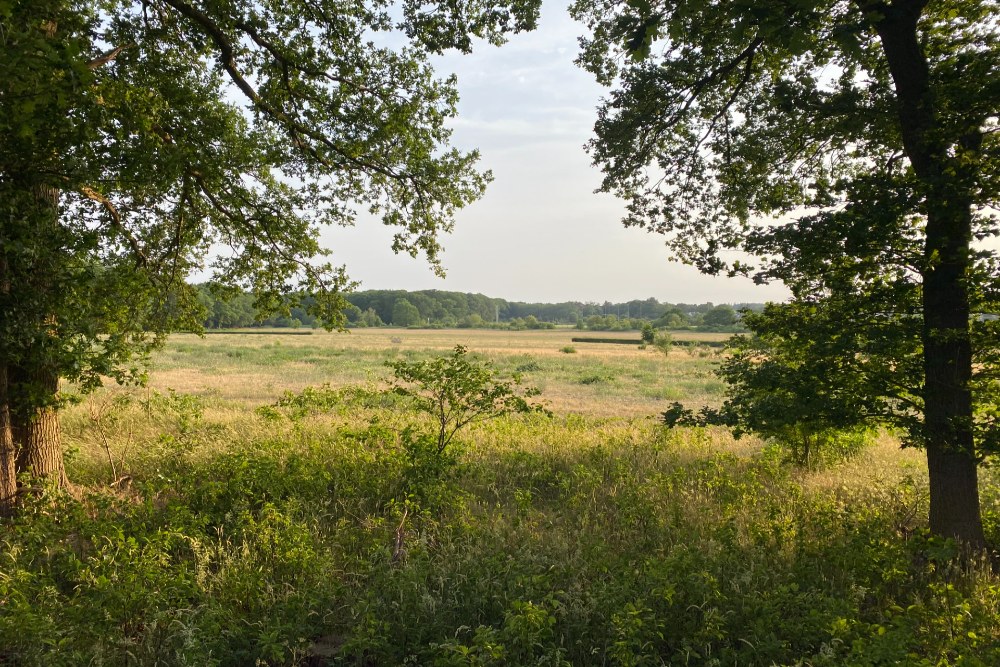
439,308
851,147
136,135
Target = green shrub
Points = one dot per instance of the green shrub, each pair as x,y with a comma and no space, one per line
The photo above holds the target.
663,342
457,391
529,366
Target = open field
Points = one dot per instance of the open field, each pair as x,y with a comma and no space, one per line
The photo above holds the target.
203,531
598,379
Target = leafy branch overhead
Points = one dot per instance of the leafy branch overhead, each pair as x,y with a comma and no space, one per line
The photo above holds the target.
458,390
144,140
723,112
163,128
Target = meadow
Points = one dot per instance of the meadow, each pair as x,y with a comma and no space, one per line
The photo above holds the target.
214,522
596,379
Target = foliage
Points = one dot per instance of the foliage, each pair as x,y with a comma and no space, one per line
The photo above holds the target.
311,401
811,383
593,542
829,373
850,149
805,441
721,316
663,342
457,391
404,314
739,118
456,309
132,163
135,136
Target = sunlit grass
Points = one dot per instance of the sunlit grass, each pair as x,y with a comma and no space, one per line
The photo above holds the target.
592,536
600,379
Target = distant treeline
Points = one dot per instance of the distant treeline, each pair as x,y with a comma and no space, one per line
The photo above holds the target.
437,308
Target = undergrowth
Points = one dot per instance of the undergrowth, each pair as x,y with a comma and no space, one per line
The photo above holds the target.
321,531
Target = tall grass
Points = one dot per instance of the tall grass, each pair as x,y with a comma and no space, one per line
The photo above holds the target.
235,536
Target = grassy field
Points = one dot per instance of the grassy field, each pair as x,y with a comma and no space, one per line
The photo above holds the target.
204,531
597,379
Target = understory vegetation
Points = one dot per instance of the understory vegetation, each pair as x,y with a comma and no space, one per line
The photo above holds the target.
326,527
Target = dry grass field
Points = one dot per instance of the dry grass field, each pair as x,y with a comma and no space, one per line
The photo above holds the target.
600,393
596,379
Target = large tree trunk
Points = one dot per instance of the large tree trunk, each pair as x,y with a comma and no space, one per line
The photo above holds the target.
8,469
948,410
36,429
33,382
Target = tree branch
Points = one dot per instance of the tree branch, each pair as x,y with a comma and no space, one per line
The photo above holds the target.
116,221
107,57
297,130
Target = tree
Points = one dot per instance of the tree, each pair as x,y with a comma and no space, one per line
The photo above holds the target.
813,376
722,315
877,122
458,390
135,134
673,318
663,342
473,321
370,318
405,314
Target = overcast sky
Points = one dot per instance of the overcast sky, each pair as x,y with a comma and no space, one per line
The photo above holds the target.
540,233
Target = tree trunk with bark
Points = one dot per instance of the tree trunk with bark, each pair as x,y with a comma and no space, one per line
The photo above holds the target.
36,429
8,453
948,409
29,395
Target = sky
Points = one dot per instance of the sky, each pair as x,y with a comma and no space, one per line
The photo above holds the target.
541,233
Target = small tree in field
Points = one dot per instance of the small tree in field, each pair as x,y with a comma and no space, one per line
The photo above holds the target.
810,383
663,342
457,391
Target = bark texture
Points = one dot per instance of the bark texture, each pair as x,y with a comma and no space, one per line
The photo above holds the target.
32,383
948,407
8,454
36,430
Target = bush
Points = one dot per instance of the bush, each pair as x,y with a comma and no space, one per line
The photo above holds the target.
457,391
663,342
